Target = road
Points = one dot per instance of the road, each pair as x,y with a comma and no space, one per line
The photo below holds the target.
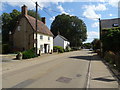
68,70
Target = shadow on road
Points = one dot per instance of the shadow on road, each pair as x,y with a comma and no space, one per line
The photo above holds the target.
93,57
104,79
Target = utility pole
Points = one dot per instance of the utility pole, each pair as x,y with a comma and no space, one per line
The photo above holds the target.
100,33
36,26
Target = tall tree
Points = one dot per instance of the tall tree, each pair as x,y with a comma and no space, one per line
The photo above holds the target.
9,21
33,14
71,27
96,44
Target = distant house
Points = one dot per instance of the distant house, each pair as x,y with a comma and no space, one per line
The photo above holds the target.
110,23
24,36
61,41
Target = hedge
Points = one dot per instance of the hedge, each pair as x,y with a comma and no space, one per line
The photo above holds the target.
58,48
29,54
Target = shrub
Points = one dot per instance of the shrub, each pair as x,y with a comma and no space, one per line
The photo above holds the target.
67,49
58,48
75,48
110,57
29,53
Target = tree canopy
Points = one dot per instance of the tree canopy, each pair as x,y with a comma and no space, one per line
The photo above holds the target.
71,27
96,44
33,14
111,39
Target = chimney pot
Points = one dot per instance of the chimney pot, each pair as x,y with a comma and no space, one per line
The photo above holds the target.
43,20
24,10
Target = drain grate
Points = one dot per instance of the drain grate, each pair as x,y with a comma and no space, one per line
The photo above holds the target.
78,75
64,79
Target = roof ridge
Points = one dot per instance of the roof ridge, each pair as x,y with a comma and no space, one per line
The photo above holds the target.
63,37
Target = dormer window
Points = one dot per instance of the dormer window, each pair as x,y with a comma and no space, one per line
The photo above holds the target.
18,28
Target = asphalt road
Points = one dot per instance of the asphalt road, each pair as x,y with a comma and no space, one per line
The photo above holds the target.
68,70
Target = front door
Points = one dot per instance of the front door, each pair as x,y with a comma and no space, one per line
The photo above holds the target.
45,48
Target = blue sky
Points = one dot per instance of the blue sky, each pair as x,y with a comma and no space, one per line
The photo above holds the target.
87,11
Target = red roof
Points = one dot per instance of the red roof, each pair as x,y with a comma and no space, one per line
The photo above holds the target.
42,28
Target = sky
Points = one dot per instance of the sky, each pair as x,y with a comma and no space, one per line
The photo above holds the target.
89,11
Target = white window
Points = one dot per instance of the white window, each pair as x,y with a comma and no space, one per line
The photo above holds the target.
41,47
41,37
48,38
18,28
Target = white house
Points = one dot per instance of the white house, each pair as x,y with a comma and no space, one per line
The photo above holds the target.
24,35
61,41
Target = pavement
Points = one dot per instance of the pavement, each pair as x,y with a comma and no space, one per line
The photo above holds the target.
100,75
78,69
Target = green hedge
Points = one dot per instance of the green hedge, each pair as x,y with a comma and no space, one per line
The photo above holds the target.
58,48
68,49
29,53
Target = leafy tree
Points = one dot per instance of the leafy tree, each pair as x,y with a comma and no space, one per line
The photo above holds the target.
96,44
9,21
111,40
33,14
71,27
87,45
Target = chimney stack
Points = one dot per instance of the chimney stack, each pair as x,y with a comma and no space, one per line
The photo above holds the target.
24,10
43,20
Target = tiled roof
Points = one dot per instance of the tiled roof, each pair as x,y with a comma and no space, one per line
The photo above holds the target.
42,28
108,23
63,38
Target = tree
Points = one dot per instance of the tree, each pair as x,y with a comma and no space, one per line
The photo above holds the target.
111,40
71,27
33,14
87,45
9,22
96,44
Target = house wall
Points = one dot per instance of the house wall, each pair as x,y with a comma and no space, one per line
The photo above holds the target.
44,41
58,41
66,43
23,39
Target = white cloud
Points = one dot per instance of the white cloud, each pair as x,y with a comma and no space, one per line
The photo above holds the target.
113,3
110,14
62,10
90,10
96,24
52,18
93,34
100,7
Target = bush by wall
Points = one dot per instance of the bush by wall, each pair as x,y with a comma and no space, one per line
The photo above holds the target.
58,48
113,58
29,53
67,49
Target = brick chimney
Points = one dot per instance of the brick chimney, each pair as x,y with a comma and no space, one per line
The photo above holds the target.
43,20
24,10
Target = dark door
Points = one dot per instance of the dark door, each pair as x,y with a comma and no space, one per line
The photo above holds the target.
45,48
